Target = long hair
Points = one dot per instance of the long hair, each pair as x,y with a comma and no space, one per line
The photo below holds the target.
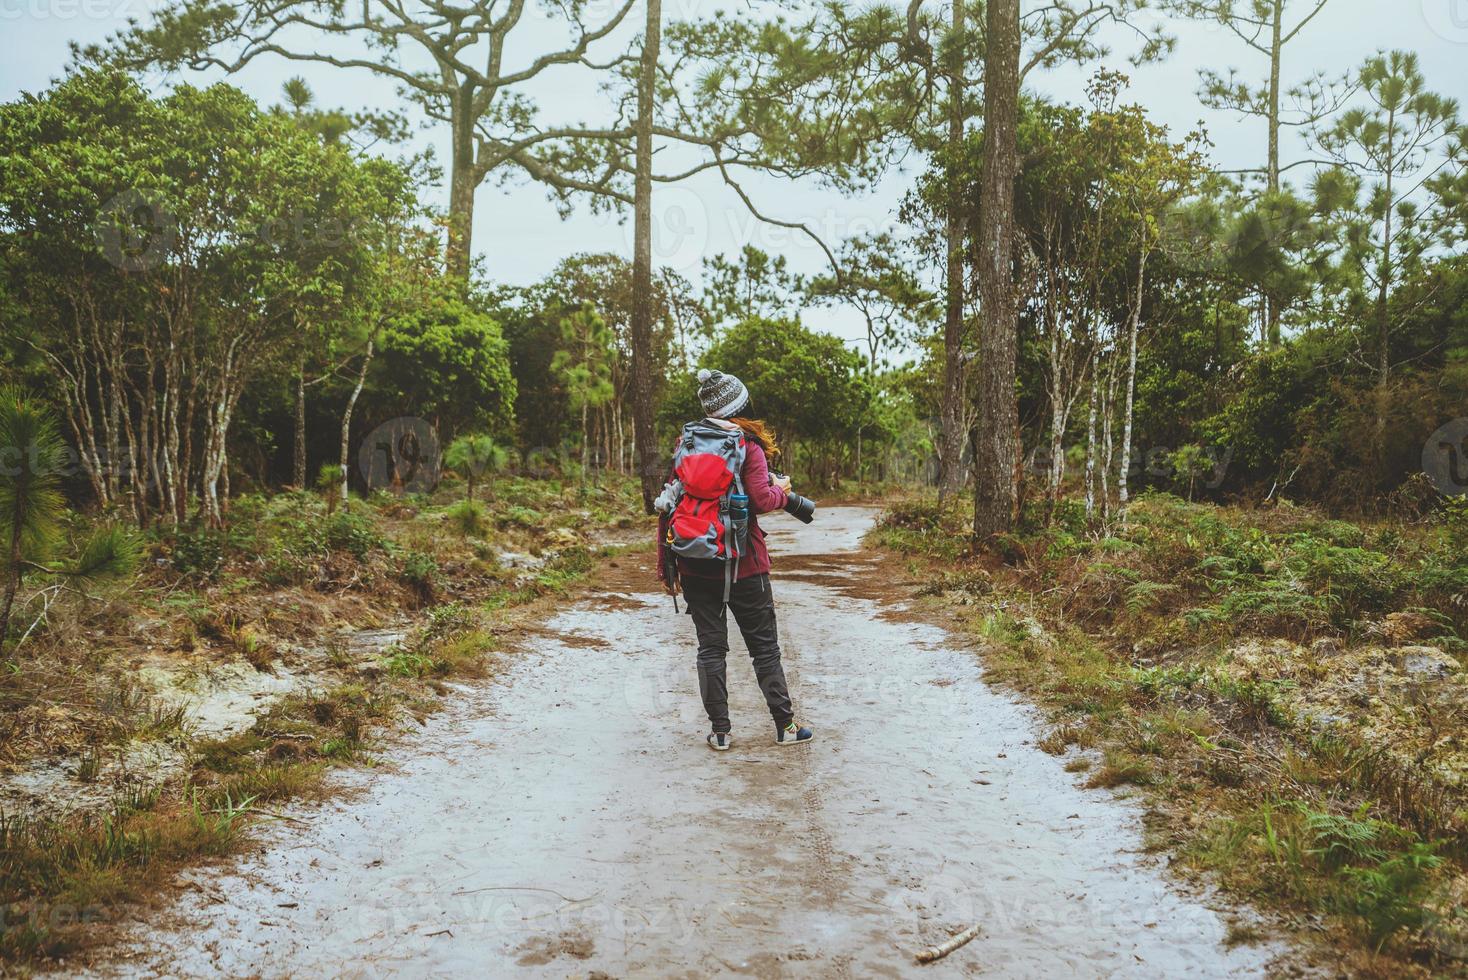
761,433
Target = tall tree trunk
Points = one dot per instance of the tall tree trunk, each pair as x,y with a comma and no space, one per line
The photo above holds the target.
298,468
347,414
1108,439
996,490
1271,307
1091,438
1383,309
585,443
649,470
1275,46
1131,380
950,420
463,181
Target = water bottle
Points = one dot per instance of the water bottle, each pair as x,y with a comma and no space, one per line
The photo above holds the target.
739,518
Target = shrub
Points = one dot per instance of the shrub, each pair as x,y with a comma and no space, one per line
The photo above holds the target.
198,552
347,531
420,571
1392,895
519,516
469,518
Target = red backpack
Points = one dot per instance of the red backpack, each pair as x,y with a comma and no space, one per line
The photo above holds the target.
707,469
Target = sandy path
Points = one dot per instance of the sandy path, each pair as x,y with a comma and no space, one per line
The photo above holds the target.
570,821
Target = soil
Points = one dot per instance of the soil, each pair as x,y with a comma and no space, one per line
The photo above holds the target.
568,819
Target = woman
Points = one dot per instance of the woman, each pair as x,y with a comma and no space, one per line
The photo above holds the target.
726,404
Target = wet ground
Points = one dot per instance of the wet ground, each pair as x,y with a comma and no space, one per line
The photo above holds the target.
569,821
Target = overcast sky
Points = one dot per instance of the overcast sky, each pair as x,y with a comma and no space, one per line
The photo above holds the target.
521,237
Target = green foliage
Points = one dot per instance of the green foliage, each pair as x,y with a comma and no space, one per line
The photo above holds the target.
353,533
110,551
469,518
756,286
476,456
811,385
329,482
518,516
30,479
449,361
1391,896
198,551
31,454
237,250
420,569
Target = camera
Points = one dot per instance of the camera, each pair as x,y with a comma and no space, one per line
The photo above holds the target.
803,509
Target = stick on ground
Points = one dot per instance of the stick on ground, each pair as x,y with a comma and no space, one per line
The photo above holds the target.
933,953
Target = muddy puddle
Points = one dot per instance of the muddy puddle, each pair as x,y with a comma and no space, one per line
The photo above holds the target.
570,822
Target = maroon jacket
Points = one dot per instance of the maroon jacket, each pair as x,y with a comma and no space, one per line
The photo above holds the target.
764,497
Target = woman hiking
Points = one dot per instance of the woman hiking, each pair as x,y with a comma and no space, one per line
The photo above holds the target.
710,546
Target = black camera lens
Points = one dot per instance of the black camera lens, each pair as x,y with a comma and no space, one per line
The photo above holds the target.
803,509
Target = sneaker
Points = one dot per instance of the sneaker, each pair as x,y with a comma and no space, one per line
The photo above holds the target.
793,734
720,741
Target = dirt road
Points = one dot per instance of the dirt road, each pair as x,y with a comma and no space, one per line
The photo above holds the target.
570,821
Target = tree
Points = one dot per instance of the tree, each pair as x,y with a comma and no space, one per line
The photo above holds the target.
30,490
1049,34
644,408
951,427
1403,138
996,462
319,325
448,363
168,267
583,365
476,456
449,63
886,292
757,284
811,386
1263,26
884,289
1161,173
1061,212
605,282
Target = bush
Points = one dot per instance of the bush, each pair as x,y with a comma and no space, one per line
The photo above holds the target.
420,571
518,516
199,552
469,518
347,531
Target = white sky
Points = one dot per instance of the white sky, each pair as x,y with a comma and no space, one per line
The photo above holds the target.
521,236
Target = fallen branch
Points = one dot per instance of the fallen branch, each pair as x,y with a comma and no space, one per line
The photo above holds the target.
933,953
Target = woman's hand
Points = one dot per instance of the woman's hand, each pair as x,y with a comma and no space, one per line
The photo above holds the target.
672,588
783,482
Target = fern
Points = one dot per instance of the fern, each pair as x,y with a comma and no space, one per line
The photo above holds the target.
1145,595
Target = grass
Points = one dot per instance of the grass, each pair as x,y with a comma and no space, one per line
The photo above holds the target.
61,876
1178,646
281,579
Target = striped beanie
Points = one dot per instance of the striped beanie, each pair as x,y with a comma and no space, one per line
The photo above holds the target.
721,395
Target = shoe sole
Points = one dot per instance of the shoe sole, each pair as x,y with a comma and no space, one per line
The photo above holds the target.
803,741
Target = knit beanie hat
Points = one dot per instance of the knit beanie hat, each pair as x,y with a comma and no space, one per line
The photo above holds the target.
722,395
